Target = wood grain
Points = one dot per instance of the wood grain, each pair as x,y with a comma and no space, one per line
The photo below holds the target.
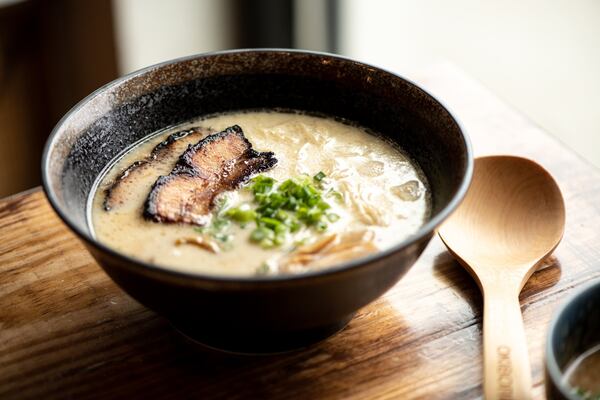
66,331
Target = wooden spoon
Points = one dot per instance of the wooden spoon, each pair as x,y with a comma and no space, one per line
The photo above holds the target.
512,217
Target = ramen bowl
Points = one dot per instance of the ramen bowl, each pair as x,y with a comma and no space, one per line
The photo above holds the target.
261,314
574,332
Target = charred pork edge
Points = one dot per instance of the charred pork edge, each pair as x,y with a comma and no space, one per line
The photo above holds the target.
268,161
172,138
119,180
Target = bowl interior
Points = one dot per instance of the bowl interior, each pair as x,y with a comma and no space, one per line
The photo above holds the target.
130,108
575,330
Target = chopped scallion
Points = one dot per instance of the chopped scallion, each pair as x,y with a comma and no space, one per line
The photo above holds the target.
319,177
240,215
284,208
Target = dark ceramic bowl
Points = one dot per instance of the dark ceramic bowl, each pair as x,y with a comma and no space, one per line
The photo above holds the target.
255,314
574,330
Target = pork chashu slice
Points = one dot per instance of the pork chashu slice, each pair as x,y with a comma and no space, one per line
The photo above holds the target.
160,161
217,163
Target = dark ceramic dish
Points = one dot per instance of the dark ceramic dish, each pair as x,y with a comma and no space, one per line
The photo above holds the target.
255,314
574,330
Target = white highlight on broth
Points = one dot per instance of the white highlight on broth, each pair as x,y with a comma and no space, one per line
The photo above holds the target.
383,193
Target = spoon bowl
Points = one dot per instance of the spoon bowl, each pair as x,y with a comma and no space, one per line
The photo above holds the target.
511,219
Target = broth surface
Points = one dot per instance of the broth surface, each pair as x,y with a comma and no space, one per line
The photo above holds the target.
383,198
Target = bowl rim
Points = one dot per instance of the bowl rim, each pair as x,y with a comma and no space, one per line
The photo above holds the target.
426,229
554,372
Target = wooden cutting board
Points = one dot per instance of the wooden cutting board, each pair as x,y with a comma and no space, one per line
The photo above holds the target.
67,331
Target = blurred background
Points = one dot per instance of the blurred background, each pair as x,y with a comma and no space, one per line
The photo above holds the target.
540,56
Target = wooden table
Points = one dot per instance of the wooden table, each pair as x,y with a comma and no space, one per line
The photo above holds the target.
67,331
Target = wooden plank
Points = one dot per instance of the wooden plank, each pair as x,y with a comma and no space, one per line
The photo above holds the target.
66,331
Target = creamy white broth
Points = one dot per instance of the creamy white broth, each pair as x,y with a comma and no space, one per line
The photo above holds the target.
384,197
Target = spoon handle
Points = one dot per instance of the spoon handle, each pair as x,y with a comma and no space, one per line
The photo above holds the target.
507,372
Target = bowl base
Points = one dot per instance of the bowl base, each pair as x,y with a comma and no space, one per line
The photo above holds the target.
256,343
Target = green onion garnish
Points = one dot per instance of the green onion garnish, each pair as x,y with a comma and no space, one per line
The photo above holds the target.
319,177
283,208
